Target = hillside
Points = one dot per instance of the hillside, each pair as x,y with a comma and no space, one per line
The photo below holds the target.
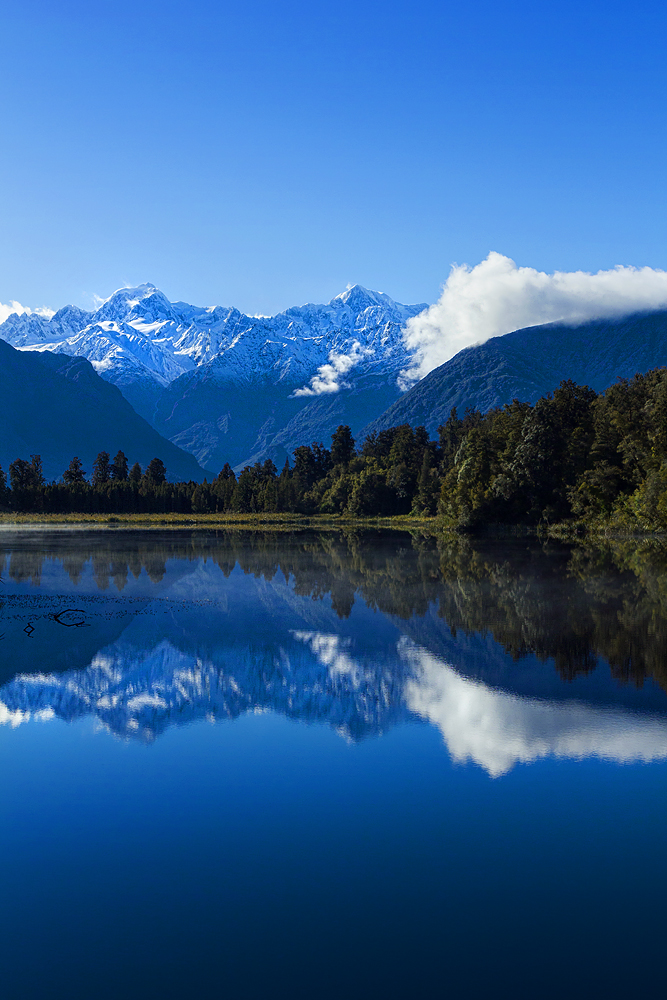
57,407
528,364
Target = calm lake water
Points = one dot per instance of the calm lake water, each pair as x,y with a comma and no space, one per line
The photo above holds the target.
313,765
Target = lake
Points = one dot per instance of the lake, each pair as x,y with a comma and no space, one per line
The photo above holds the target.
331,764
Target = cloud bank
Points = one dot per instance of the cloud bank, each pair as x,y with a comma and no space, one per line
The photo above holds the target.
16,307
496,297
11,307
328,376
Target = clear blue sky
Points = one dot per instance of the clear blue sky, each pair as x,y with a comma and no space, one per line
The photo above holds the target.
263,154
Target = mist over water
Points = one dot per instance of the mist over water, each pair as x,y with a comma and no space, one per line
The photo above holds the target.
305,729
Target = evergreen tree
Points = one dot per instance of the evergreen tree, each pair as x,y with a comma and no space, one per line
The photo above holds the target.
155,471
74,472
268,470
311,463
378,445
322,457
21,475
223,488
243,499
119,468
101,469
270,497
452,432
226,473
135,473
202,498
24,484
336,497
36,464
427,487
342,445
286,488
4,491
370,494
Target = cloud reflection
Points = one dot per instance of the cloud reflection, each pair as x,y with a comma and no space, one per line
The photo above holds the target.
498,730
330,652
139,692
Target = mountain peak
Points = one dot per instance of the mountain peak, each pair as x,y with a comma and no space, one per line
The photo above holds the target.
142,302
140,291
132,294
358,297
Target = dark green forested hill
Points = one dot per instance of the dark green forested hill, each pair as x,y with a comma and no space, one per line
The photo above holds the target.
574,456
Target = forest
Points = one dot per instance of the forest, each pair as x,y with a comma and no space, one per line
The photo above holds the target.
575,457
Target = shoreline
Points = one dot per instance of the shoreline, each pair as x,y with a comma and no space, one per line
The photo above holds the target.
433,525
264,521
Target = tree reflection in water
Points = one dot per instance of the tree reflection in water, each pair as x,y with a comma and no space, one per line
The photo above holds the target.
570,604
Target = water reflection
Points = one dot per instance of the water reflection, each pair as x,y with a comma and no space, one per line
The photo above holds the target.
515,652
498,730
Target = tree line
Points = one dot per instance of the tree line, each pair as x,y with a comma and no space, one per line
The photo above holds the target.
574,456
113,487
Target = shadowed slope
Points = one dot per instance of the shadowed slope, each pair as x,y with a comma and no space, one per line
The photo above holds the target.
57,407
529,363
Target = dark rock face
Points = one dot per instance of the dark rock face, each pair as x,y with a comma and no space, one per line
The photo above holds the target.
222,421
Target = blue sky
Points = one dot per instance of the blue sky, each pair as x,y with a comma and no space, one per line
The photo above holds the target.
265,154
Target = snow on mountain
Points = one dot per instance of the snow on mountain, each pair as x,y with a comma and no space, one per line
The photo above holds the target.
139,693
159,353
140,328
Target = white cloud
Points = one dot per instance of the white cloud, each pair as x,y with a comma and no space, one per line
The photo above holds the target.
497,730
329,375
11,307
16,307
496,297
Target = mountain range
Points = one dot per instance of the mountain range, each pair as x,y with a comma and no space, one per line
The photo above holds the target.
229,387
223,386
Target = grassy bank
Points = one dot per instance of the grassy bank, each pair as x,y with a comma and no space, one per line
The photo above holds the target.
278,522
563,531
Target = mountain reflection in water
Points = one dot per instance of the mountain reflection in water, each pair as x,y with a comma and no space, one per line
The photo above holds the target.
515,651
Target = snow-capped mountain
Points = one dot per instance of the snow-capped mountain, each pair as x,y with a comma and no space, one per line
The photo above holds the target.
146,345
